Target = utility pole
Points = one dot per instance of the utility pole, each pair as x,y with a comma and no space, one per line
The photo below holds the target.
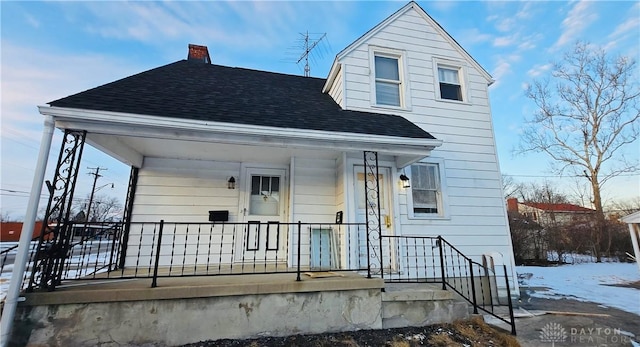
96,175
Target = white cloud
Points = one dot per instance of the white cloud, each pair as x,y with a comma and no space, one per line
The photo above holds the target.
502,69
504,41
473,36
505,24
579,17
443,6
32,21
538,70
526,11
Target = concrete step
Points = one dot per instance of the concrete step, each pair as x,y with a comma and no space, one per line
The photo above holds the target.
419,305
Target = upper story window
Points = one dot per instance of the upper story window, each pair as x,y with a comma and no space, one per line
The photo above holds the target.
450,87
388,82
388,78
450,78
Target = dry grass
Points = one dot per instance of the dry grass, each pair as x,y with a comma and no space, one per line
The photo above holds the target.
475,329
471,332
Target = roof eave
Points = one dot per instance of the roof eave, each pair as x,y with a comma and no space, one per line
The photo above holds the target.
125,124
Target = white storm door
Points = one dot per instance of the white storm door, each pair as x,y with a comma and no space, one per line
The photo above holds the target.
387,253
262,239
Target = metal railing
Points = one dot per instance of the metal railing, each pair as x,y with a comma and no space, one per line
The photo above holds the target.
168,249
434,260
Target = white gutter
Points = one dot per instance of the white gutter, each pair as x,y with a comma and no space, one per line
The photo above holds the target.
20,262
128,124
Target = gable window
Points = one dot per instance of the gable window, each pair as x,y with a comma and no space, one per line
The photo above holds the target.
388,83
427,197
450,86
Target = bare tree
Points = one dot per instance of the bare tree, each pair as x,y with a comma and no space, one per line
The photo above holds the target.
588,112
103,209
625,207
510,187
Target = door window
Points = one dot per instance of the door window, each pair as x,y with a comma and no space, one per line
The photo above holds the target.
265,195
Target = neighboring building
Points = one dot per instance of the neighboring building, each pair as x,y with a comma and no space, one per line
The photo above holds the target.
214,143
549,214
10,231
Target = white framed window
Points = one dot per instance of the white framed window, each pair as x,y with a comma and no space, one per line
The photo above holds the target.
427,197
450,80
388,83
388,78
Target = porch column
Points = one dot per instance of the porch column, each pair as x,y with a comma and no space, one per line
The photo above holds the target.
22,257
634,231
372,213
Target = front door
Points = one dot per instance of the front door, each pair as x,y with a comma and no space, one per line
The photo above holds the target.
386,254
262,239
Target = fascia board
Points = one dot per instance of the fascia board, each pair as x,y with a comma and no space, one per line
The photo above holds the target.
125,124
333,73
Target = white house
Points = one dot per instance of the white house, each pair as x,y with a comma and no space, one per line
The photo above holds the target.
261,151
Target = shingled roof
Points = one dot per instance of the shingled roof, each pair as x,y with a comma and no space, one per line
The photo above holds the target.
207,92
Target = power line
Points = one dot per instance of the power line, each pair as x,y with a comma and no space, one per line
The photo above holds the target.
566,176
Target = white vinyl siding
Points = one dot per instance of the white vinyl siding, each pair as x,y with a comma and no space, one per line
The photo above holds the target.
474,214
336,90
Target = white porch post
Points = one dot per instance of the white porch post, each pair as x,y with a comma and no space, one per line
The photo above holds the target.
634,231
20,263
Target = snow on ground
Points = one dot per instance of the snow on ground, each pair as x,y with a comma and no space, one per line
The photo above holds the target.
593,282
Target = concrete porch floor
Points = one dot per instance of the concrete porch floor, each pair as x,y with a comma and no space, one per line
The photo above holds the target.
139,289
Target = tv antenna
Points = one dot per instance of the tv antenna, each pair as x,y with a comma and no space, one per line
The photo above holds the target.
308,47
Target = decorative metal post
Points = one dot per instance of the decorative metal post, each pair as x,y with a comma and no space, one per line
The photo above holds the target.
372,213
52,251
126,218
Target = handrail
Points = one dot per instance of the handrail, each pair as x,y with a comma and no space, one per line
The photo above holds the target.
472,295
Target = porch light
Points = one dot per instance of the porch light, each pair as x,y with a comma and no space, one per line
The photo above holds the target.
405,181
231,183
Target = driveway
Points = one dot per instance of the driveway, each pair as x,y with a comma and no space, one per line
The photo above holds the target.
567,322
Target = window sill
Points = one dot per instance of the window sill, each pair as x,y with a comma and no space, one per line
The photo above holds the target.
457,102
390,107
428,217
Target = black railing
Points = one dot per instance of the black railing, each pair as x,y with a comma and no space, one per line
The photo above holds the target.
168,249
434,260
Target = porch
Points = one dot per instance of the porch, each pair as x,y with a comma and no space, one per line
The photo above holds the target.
129,312
176,279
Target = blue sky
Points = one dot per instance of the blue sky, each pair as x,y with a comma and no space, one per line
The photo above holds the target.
53,49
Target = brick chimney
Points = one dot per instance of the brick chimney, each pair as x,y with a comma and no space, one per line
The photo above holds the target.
512,205
199,53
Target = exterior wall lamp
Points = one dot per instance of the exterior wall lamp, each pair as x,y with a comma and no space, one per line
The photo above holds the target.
405,181
231,183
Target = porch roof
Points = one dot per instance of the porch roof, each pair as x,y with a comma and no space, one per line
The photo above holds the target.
191,90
